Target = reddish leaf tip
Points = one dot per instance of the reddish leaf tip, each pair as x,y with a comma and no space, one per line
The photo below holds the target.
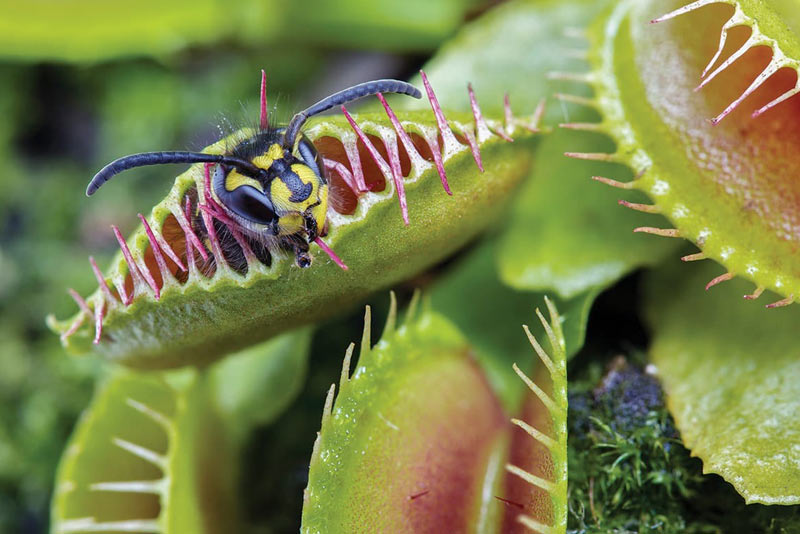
718,280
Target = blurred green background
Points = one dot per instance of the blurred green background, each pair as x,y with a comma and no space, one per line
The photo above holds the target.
86,81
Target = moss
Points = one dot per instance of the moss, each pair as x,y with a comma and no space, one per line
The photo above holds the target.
630,473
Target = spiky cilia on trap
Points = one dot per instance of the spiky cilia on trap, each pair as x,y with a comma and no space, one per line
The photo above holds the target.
271,186
192,242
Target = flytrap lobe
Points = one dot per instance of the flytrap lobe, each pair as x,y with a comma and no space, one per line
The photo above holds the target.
719,160
779,38
140,461
404,450
198,280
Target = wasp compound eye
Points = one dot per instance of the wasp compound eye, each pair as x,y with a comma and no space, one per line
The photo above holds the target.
249,203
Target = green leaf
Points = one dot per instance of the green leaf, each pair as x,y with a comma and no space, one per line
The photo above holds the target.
404,448
565,234
730,372
489,314
510,49
90,30
727,184
148,455
561,234
419,25
217,308
537,463
256,385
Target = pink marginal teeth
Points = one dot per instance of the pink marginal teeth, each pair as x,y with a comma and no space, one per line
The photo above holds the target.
210,210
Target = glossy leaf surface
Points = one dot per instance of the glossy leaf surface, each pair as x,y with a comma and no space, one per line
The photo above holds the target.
147,456
254,386
489,313
560,234
731,373
719,162
403,449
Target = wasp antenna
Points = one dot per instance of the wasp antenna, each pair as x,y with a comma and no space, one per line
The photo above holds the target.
143,159
343,97
161,158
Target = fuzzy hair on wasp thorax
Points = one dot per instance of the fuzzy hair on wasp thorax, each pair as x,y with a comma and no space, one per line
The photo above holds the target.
272,185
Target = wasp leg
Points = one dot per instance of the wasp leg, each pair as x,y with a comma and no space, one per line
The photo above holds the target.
311,225
297,244
303,259
301,255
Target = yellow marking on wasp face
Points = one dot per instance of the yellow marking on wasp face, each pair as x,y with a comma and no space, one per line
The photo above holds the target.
235,179
308,177
290,224
280,195
275,151
319,194
320,212
265,160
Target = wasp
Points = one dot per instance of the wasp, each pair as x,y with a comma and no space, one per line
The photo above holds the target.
273,184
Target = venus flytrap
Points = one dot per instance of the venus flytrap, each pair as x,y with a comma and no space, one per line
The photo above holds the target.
156,453
772,24
403,448
719,163
538,460
726,185
168,300
139,461
559,236
731,385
